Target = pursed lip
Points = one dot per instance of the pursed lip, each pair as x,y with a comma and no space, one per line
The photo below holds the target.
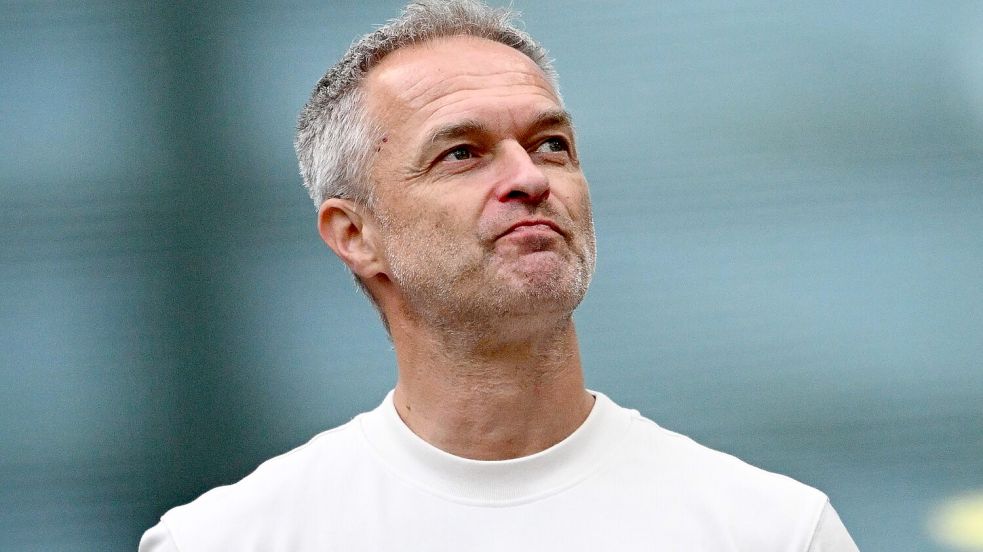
534,222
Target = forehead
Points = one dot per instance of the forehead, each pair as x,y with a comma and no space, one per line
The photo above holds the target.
454,76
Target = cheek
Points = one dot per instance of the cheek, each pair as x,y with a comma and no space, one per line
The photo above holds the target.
575,199
442,222
431,226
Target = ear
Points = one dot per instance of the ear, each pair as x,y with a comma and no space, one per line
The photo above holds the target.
350,232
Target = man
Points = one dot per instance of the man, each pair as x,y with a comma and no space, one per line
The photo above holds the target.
448,180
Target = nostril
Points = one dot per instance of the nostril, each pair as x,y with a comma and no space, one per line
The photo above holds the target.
527,195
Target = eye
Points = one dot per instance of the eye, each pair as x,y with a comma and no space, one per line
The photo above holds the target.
460,153
553,145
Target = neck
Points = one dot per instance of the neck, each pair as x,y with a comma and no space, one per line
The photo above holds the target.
502,394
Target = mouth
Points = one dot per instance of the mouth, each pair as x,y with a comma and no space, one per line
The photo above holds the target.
533,225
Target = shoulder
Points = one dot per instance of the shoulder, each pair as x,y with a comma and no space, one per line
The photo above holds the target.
698,465
274,493
728,496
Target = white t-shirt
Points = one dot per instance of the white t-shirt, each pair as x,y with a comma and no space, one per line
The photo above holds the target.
620,482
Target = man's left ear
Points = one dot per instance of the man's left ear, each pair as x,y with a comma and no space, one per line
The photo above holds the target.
349,230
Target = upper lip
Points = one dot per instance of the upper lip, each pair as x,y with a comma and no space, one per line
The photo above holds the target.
534,222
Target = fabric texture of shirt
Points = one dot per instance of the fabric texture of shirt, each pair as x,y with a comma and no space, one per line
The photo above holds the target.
619,482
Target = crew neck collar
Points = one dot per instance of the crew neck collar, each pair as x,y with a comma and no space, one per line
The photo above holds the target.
495,482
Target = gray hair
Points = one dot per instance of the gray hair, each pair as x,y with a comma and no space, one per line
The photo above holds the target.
334,132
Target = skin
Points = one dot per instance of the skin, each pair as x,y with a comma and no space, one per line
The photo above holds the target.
478,246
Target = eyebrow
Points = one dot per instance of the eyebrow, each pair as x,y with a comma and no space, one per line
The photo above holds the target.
458,130
552,118
470,127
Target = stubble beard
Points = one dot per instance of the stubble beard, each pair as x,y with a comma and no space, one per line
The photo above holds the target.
464,288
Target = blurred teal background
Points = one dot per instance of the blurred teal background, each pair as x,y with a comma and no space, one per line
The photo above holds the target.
789,204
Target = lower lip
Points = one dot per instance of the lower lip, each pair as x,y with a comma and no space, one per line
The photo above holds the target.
533,237
532,228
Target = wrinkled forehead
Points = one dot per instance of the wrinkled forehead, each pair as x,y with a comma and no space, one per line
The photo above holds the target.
444,71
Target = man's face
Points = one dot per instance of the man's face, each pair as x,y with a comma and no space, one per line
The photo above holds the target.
482,206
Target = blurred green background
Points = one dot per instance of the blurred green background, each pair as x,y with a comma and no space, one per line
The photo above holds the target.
789,204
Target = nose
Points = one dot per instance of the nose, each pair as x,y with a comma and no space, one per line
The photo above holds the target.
522,179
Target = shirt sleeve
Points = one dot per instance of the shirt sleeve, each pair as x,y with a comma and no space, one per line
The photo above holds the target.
157,539
831,535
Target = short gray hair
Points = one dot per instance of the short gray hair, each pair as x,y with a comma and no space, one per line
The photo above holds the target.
334,132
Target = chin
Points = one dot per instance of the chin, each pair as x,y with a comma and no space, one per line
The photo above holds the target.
543,292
